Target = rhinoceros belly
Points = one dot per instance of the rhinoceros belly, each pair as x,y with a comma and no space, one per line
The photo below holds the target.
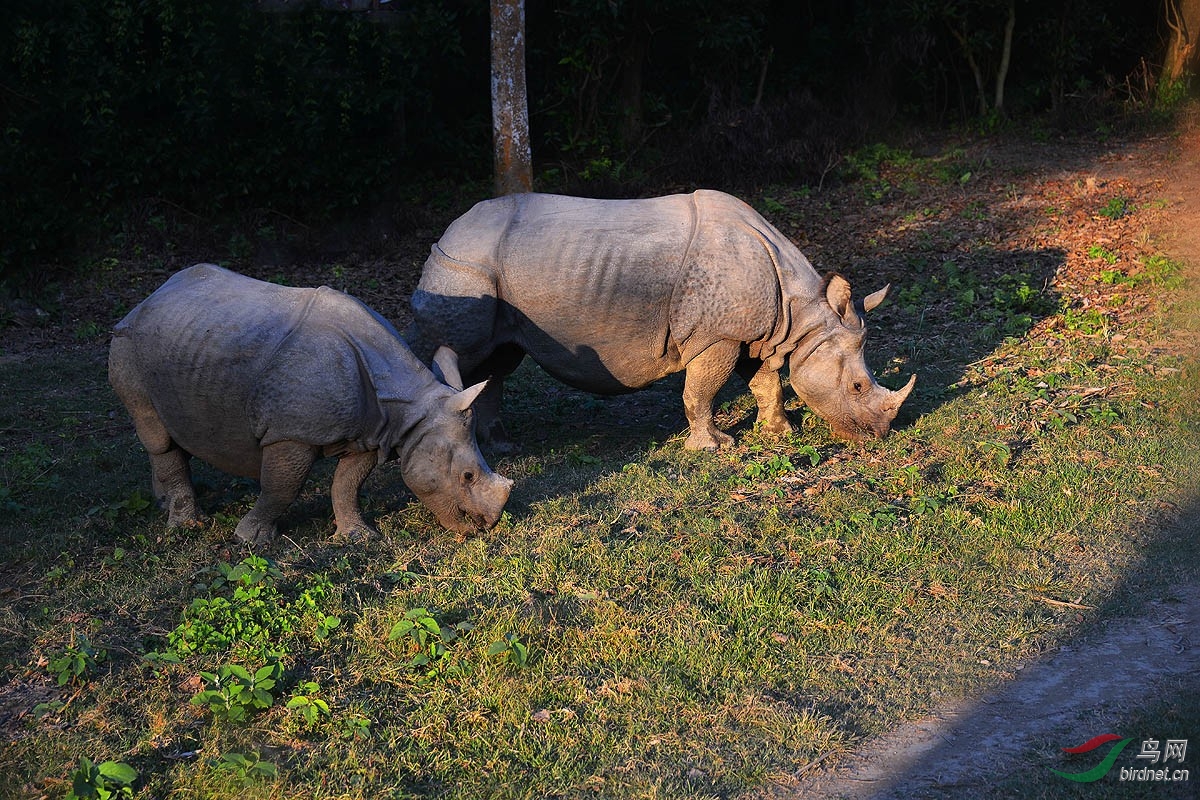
610,355
205,411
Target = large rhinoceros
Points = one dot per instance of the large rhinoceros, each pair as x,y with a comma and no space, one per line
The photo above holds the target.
261,380
611,295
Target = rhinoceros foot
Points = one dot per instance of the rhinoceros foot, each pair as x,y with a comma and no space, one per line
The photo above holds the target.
494,438
707,440
255,532
355,532
775,427
182,512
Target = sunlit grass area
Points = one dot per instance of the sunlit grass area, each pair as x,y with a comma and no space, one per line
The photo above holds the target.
644,621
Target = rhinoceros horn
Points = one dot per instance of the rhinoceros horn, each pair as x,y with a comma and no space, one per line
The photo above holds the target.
462,401
896,399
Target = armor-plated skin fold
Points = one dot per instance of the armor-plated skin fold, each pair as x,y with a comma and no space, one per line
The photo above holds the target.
260,380
611,295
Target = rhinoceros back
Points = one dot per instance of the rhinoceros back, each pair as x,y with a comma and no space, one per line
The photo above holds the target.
610,295
571,271
232,364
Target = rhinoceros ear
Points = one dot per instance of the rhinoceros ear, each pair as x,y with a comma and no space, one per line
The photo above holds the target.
873,300
837,294
463,400
445,366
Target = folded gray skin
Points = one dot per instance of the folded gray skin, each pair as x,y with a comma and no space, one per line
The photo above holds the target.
261,380
611,295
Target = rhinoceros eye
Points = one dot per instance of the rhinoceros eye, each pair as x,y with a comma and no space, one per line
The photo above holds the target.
857,386
468,476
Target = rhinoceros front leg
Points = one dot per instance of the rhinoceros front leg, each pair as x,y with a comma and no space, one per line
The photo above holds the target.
285,465
352,470
768,392
706,374
489,428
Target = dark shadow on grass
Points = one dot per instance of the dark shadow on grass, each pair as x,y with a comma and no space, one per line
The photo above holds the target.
1131,669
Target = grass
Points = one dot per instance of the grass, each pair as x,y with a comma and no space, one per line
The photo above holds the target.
691,625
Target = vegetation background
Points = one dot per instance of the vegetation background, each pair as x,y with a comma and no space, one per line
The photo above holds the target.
123,115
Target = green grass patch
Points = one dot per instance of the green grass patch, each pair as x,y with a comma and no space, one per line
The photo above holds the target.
644,621
689,625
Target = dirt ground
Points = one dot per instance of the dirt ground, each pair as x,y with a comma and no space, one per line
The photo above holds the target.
961,748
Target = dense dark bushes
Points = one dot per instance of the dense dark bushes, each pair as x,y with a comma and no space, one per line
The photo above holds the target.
220,108
212,105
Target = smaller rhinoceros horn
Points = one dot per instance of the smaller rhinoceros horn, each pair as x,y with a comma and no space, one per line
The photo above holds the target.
462,401
446,362
875,298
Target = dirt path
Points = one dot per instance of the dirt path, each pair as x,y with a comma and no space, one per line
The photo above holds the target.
963,748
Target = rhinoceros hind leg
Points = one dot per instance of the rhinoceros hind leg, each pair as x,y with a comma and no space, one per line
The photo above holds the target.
352,470
706,374
285,465
171,481
768,392
170,475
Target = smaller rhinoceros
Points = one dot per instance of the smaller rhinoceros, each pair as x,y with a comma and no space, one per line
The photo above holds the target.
611,295
261,380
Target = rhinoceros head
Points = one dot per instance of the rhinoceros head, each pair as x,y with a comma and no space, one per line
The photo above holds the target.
441,463
829,374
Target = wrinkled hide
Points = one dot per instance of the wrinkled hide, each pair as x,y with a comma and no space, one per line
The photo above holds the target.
261,380
612,295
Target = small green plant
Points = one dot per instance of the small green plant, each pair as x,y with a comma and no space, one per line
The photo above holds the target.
1060,418
101,781
248,767
1103,253
812,453
1089,322
50,707
30,468
77,662
907,476
512,649
354,726
245,608
307,705
773,468
773,207
432,640
158,661
927,503
1163,271
233,693
999,452
86,331
975,210
1116,208
133,505
1115,277
1103,414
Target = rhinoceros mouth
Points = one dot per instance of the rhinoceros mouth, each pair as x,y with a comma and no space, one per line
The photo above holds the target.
461,520
855,431
851,429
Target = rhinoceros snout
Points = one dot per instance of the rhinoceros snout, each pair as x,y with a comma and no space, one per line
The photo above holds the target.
486,506
875,420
